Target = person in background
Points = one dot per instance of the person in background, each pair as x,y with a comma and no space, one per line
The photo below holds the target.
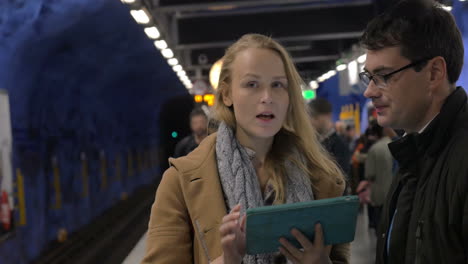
198,125
340,128
262,154
321,118
378,173
414,59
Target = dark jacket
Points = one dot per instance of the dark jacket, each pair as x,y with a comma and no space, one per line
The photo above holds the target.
430,192
339,150
185,146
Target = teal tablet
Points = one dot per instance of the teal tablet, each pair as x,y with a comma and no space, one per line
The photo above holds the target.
265,225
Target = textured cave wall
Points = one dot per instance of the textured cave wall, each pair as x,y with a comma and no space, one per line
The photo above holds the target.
82,78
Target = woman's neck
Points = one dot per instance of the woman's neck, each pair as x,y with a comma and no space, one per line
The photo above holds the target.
260,146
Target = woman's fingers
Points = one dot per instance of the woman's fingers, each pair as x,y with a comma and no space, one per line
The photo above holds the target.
303,240
243,223
236,208
288,255
231,217
229,227
318,240
227,239
296,253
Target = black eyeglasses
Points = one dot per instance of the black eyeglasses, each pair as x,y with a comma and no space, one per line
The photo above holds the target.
380,80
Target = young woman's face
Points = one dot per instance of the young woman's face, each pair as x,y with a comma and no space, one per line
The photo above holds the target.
258,93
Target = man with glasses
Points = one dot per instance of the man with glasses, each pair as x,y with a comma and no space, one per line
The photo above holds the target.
414,58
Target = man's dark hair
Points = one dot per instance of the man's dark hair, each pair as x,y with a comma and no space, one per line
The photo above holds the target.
320,106
375,129
197,112
422,29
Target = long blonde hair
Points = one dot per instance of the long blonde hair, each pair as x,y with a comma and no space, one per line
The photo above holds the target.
296,131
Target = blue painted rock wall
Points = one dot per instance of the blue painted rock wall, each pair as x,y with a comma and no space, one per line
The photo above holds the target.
82,77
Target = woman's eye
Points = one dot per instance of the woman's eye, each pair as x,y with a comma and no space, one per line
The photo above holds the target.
278,85
252,84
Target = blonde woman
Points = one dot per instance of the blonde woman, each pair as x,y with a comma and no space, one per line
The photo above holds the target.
265,152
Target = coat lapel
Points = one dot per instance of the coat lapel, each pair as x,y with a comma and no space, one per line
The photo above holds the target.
205,200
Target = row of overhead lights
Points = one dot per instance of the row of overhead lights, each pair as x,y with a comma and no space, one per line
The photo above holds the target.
142,17
353,65
314,84
449,8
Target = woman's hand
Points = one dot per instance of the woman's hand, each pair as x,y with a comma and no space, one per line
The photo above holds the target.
233,236
316,253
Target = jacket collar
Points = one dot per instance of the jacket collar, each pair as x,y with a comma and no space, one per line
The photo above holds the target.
435,136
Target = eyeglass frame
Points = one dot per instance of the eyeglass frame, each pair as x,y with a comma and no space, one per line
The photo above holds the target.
387,76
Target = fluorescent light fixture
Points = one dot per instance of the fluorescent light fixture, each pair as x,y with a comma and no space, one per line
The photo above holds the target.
185,78
128,1
167,53
331,73
353,72
152,32
215,72
140,16
362,58
189,86
160,44
173,61
313,84
341,67
177,68
322,78
181,73
447,8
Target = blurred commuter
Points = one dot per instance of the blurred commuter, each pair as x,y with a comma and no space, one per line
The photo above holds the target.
262,154
378,172
414,58
199,126
321,118
340,127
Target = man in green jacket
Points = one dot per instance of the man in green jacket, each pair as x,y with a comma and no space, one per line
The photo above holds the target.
414,58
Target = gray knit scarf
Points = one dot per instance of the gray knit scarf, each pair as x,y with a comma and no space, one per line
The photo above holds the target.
241,186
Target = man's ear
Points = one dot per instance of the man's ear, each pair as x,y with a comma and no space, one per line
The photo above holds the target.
438,71
226,95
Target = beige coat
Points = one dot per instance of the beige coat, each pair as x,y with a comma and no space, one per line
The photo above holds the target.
189,207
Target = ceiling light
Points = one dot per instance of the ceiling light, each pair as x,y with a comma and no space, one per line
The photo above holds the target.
341,67
353,72
447,8
177,68
173,61
128,1
140,16
331,73
181,73
313,84
160,44
362,58
152,32
322,78
215,72
167,53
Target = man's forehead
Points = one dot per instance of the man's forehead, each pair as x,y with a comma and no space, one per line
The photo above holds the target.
386,58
